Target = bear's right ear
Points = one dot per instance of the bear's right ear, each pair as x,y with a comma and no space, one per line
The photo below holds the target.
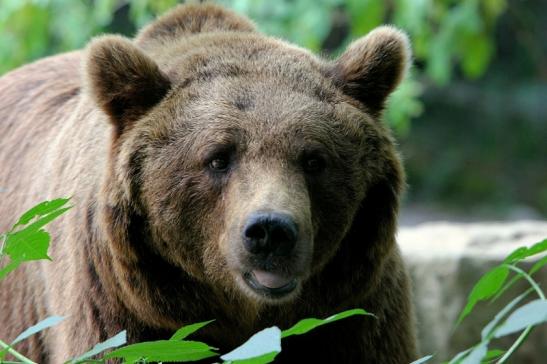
372,66
123,81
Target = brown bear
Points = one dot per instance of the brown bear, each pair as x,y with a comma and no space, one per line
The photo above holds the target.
215,173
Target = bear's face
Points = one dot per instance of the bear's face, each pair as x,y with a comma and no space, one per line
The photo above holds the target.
261,194
248,171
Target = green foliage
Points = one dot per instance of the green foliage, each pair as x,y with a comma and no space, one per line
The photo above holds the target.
487,287
261,348
183,332
522,319
163,350
27,240
444,33
309,324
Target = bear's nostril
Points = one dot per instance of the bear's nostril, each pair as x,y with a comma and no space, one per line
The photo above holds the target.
256,231
270,233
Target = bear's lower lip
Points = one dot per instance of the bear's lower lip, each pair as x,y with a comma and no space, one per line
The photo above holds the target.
271,292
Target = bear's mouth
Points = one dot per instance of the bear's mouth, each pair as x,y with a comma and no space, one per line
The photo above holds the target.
270,284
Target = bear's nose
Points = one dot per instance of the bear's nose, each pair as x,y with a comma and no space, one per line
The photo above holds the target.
267,233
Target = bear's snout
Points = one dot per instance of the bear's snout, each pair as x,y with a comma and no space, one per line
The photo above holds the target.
268,233
274,254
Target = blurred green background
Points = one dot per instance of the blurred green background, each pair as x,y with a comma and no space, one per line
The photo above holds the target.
471,118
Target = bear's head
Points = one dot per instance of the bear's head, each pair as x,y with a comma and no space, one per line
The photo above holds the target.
244,161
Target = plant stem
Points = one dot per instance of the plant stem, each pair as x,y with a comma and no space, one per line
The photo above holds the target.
17,355
527,331
3,242
515,345
528,278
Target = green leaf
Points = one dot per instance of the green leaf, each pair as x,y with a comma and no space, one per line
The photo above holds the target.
422,360
365,15
31,242
164,350
489,329
27,245
10,267
45,219
42,325
493,354
115,341
494,8
525,252
403,105
531,314
538,265
305,325
477,55
261,344
183,332
42,209
486,287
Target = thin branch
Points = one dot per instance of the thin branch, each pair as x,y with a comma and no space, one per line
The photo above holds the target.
16,354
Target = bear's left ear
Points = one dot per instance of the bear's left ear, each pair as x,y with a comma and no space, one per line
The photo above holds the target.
123,81
372,66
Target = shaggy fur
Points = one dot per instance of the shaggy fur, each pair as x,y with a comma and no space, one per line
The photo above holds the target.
128,128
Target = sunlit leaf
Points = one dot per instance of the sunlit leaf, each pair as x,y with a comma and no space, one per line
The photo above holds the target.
476,355
115,341
261,344
42,325
531,314
488,329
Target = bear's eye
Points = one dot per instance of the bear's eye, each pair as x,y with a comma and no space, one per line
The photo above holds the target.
313,164
219,164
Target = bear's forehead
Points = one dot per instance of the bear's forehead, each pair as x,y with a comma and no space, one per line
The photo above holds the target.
281,121
203,59
254,87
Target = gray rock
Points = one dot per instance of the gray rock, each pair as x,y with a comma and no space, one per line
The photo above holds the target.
446,260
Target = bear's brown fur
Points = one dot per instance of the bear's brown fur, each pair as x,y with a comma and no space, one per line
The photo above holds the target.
168,145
